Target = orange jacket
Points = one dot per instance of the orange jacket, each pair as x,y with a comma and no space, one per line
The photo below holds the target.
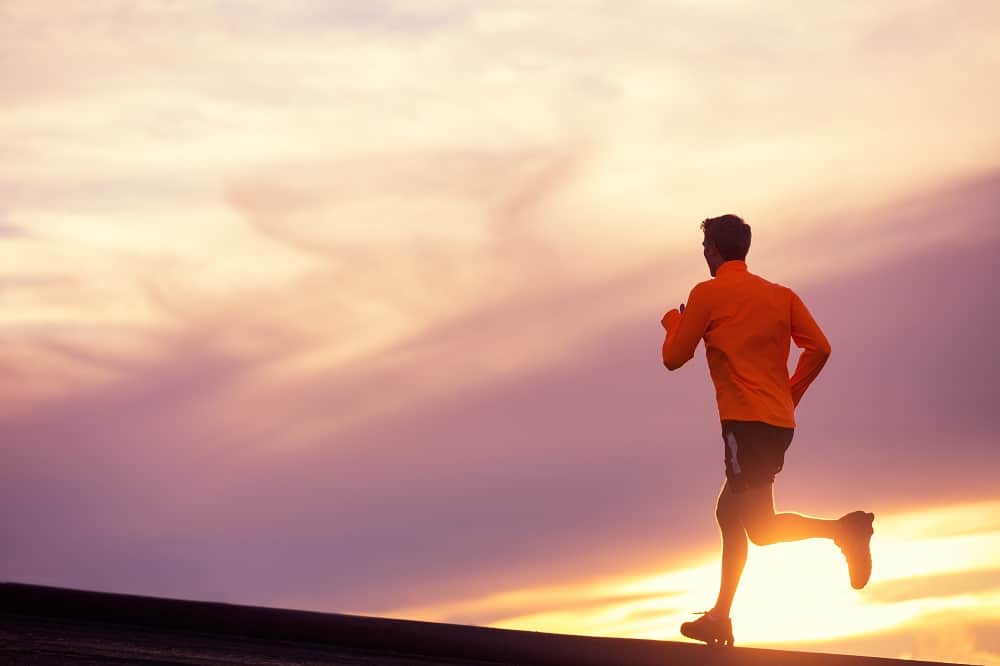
747,324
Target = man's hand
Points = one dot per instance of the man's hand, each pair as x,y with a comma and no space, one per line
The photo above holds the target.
670,317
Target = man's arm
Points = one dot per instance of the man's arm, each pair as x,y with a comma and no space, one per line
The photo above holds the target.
684,330
816,348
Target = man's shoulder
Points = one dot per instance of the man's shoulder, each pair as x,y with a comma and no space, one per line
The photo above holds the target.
770,284
703,289
715,288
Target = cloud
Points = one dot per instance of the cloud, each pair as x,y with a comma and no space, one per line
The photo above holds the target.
941,637
32,281
308,290
383,16
465,458
320,207
10,231
938,615
942,585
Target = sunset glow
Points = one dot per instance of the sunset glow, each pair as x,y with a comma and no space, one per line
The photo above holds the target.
354,306
797,589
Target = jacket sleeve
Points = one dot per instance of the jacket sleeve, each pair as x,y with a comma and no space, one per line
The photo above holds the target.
685,330
816,348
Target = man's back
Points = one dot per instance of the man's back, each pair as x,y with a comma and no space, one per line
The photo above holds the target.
748,323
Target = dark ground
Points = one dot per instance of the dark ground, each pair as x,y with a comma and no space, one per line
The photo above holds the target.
45,626
48,641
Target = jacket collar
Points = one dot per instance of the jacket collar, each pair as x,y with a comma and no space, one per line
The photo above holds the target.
731,266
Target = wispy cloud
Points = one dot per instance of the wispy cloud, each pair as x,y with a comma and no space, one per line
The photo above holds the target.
498,424
935,586
898,615
9,230
305,281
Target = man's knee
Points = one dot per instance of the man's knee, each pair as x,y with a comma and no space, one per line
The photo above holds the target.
727,514
762,530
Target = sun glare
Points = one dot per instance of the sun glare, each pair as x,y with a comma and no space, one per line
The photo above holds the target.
790,593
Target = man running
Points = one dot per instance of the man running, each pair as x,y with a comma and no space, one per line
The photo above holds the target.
747,324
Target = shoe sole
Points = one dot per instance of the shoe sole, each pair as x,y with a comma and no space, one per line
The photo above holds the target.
726,641
712,642
866,520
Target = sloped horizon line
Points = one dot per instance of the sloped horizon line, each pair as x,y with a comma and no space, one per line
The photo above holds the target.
431,639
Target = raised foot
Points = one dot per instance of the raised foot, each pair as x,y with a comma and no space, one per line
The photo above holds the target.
855,542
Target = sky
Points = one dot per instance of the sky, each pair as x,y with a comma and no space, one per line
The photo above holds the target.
355,307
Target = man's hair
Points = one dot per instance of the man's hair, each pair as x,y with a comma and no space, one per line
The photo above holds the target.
730,234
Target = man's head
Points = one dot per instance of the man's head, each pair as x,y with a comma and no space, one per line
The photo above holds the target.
726,238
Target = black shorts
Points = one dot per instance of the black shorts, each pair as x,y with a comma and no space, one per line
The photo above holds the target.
755,452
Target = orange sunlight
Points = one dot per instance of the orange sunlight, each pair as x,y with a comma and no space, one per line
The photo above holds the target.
789,590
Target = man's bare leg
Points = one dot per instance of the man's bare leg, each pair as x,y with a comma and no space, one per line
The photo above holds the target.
751,512
734,549
765,527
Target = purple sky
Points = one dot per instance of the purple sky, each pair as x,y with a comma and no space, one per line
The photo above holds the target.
355,306
136,487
